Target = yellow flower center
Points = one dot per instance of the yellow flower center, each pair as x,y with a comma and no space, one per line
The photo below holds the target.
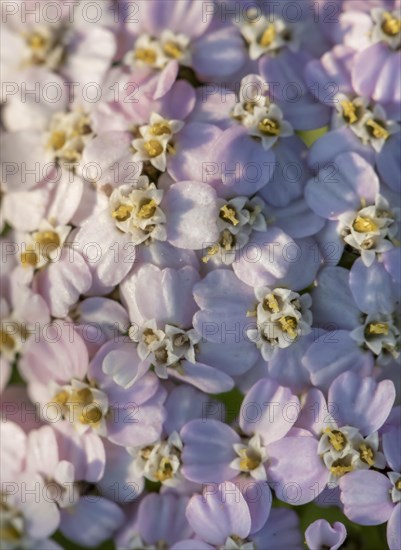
269,127
149,336
271,303
349,111
211,251
378,328
228,214
47,238
147,55
29,258
171,49
122,213
57,140
366,454
153,148
36,41
289,325
268,36
165,470
90,413
339,471
160,129
336,438
364,224
398,484
147,210
249,460
391,25
6,341
377,130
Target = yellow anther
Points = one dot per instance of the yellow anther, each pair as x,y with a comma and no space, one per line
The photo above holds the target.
249,460
349,111
228,214
147,209
270,302
29,258
391,25
57,139
62,397
398,484
36,41
82,397
6,341
149,336
92,414
165,470
153,148
147,55
378,131
378,328
336,438
339,471
269,127
171,49
8,533
366,454
211,251
364,224
268,36
122,213
289,325
47,238
160,129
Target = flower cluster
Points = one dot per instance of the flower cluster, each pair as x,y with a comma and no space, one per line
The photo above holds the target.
201,273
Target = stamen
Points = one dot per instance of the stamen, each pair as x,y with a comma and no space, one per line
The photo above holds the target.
228,213
147,210
29,258
269,127
153,148
122,213
211,251
249,460
377,130
147,55
165,470
391,25
180,340
6,341
227,240
149,336
171,49
57,140
364,224
289,325
146,452
349,111
48,238
36,41
91,415
337,439
339,471
160,129
366,454
378,328
268,36
62,398
270,302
